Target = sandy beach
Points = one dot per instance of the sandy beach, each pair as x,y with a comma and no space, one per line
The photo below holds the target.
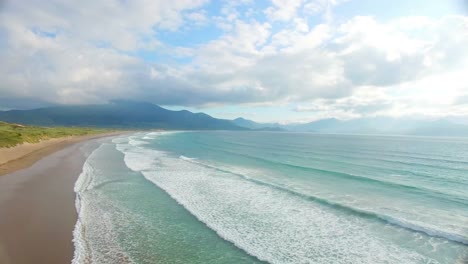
24,155
37,201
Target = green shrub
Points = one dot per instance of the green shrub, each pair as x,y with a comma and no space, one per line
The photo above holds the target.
14,134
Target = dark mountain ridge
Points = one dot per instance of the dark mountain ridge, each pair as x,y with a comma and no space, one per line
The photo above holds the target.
118,114
142,115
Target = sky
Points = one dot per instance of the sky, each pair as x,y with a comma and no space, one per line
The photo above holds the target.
268,60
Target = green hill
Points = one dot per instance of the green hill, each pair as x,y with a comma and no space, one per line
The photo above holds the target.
14,134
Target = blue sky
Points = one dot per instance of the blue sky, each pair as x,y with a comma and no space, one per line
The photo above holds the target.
269,60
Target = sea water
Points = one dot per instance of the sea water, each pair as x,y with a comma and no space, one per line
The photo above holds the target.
253,197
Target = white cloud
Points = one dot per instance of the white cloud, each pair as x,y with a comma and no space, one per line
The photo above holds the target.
434,96
75,52
198,17
283,10
52,49
121,24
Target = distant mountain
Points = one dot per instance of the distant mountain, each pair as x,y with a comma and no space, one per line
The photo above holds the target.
246,123
242,122
376,125
118,114
441,128
383,125
316,126
273,129
131,114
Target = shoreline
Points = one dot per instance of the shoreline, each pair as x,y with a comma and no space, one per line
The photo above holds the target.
24,155
37,201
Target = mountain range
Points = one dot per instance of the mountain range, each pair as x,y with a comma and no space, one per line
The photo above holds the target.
142,115
375,125
118,114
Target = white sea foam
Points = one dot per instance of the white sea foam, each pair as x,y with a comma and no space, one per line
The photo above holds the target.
135,142
153,135
94,236
268,223
413,225
118,140
81,254
187,158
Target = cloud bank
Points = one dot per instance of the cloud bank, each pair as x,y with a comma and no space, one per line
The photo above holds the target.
283,52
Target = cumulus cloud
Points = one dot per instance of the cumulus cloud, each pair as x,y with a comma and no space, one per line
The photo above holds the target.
87,51
198,17
283,10
364,102
74,52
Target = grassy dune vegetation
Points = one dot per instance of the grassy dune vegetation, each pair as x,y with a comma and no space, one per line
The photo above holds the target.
14,134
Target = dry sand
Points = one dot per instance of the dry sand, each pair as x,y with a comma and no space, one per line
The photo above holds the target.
24,155
37,204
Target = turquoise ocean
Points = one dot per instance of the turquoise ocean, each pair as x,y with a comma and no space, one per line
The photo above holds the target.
264,197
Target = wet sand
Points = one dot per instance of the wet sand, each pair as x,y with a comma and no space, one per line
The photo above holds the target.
37,206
